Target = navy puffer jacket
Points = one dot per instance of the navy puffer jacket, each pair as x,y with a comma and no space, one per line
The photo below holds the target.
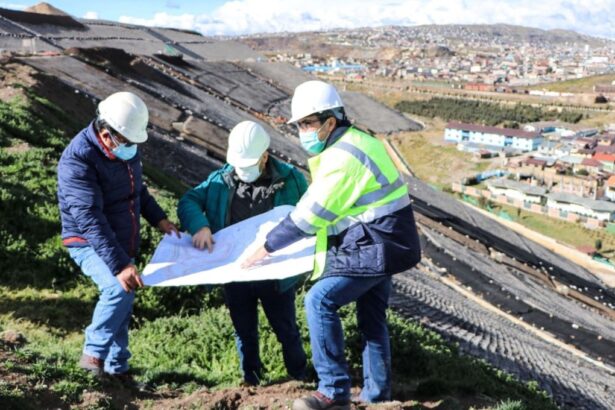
101,198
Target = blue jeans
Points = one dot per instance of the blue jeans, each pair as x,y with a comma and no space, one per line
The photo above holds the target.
106,338
327,338
242,301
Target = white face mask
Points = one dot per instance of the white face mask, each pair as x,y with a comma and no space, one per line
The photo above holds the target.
248,174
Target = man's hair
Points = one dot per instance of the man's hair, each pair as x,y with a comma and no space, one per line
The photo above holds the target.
338,113
100,124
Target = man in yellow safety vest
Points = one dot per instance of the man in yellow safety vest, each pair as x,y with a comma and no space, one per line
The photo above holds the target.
359,209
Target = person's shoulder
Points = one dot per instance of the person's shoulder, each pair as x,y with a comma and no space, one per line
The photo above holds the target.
217,176
295,172
289,172
355,131
284,168
220,172
79,147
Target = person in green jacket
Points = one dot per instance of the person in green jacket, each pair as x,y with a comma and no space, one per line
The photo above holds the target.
250,183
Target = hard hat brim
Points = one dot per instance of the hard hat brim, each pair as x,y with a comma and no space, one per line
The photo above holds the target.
297,118
292,120
137,139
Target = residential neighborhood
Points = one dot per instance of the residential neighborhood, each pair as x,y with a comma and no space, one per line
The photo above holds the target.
560,170
476,58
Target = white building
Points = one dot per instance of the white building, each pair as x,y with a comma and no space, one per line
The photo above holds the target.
492,136
516,190
560,128
564,202
554,149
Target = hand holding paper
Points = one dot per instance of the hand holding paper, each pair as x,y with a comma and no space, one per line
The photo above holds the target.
256,258
176,262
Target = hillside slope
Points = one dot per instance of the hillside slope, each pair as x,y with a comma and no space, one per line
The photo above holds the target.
181,338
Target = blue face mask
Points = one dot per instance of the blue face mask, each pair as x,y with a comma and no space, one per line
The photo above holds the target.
310,142
123,151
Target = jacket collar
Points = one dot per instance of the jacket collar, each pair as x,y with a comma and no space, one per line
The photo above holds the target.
94,138
336,134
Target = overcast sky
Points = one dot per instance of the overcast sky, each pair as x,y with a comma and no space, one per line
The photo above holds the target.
219,17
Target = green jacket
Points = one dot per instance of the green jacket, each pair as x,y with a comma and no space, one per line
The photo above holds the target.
209,203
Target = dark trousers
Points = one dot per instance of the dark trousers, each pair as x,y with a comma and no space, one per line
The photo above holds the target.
242,301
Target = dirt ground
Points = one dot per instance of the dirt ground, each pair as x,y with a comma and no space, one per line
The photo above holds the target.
12,74
279,396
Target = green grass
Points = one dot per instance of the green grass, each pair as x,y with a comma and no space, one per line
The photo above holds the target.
566,232
438,165
181,338
510,405
188,351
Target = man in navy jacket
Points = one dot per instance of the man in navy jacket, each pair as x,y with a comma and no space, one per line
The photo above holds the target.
101,196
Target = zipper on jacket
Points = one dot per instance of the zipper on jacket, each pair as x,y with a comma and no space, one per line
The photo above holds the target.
131,209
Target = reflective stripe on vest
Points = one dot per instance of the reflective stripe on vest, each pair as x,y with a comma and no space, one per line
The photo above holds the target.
369,215
305,213
383,192
385,186
316,209
389,197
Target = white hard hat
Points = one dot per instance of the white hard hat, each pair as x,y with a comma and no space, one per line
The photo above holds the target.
127,114
311,97
246,144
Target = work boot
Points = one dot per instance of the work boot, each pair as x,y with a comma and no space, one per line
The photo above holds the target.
92,364
319,401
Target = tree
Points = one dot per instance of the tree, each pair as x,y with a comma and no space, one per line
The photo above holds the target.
598,244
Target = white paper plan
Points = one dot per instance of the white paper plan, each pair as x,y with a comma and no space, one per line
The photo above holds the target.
176,262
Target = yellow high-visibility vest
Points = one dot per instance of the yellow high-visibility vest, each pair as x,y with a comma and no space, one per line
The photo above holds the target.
354,180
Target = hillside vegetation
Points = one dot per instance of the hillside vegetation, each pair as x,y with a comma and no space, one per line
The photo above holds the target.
484,112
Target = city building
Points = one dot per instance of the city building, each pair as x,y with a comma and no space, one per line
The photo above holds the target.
610,188
492,137
516,190
568,203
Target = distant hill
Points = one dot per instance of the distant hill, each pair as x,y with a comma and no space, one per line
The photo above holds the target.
512,33
45,8
383,39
